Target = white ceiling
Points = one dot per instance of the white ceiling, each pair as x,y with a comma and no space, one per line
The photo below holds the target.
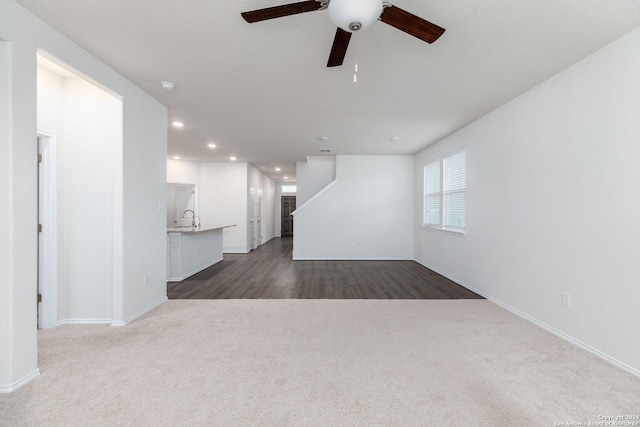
262,91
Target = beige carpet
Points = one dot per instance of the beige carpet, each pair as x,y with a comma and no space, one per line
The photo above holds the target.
318,363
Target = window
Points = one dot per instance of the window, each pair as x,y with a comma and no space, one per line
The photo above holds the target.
432,194
288,188
445,193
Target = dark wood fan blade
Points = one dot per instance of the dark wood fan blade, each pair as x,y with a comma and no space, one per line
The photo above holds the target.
339,48
411,24
280,11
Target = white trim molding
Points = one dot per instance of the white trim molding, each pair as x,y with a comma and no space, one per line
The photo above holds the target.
315,196
84,322
546,327
140,313
10,388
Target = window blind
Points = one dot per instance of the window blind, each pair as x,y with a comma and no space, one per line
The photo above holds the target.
432,195
454,198
445,193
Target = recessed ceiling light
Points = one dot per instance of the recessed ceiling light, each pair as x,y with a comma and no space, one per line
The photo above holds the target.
177,124
233,158
277,169
168,86
211,145
322,138
176,157
394,139
286,177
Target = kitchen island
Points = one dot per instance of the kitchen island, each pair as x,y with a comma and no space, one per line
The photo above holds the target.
192,249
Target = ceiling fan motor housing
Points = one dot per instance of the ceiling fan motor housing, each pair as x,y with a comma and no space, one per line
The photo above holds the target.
353,15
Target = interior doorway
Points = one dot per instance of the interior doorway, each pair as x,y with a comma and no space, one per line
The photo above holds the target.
80,263
288,205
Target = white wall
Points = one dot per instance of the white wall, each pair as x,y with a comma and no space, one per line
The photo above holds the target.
223,200
313,175
553,204
10,321
91,135
138,177
143,210
183,171
50,106
366,214
19,213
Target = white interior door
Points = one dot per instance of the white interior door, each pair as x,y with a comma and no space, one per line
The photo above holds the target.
41,252
252,218
47,234
259,223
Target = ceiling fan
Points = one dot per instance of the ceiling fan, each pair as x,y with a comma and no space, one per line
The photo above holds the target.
351,16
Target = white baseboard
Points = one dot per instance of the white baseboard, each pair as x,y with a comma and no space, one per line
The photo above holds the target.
546,327
10,388
565,337
84,322
139,313
111,321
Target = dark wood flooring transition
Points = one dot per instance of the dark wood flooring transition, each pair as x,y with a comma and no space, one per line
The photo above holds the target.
269,272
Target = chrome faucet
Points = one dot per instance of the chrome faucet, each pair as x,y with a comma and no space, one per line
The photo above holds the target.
193,217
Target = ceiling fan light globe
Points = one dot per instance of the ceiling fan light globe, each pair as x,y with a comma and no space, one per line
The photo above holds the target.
353,15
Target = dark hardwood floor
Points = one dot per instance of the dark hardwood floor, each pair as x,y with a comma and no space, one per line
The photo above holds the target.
269,272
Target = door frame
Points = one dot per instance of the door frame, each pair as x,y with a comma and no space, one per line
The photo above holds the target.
259,216
282,198
48,238
252,218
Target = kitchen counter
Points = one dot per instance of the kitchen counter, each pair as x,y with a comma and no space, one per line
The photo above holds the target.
192,249
198,229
